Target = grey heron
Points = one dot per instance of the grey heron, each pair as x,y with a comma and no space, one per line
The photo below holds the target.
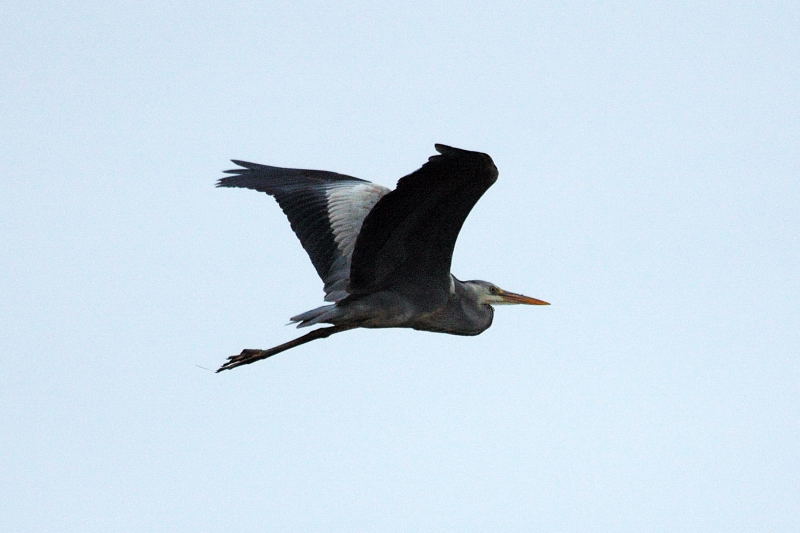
384,256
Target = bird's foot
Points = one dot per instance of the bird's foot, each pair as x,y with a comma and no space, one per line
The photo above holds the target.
248,355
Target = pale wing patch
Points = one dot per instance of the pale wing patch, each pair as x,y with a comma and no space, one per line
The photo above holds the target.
348,206
347,209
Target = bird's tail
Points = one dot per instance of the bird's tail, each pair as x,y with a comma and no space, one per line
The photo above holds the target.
325,314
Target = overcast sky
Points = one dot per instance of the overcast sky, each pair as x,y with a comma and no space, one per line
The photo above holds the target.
649,161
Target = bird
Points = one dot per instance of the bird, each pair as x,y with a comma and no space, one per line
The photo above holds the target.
383,255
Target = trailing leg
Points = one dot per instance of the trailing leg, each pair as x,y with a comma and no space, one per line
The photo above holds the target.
249,355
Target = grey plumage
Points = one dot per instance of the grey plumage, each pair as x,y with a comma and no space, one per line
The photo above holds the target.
384,256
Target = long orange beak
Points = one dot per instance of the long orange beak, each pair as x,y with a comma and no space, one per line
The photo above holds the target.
514,298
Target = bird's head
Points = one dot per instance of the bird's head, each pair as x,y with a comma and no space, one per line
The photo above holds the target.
491,294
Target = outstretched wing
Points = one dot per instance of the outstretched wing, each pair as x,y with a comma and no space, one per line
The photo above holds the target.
407,240
325,210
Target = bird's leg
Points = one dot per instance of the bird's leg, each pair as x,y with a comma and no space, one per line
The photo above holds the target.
249,355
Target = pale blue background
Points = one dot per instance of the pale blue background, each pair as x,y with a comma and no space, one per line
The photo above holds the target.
649,157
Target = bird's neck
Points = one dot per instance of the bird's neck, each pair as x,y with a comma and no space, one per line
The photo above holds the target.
466,299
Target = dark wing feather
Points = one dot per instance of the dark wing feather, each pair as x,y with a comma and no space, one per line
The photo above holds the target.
325,210
407,240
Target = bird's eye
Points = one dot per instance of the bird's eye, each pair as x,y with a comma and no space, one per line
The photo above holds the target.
494,290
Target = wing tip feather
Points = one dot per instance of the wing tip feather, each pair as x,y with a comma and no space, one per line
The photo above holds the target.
234,180
470,157
452,151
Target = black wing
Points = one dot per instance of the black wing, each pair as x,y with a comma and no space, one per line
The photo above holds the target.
325,210
407,240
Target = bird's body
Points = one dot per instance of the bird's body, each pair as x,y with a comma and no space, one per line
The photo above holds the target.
384,256
460,313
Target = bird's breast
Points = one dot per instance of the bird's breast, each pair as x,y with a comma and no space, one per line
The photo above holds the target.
456,318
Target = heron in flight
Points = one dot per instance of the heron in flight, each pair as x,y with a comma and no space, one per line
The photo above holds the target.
384,256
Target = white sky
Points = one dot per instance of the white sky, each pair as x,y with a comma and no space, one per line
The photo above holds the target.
649,162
